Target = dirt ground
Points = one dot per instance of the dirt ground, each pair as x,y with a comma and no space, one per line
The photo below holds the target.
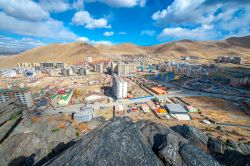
220,111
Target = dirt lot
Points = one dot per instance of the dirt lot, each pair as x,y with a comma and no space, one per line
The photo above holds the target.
221,111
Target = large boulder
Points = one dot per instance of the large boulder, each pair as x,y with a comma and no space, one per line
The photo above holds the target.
10,116
194,135
215,146
23,149
193,156
96,122
36,142
244,148
116,142
119,141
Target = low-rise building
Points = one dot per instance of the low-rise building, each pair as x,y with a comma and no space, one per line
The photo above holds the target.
178,112
22,94
51,65
85,114
229,59
9,73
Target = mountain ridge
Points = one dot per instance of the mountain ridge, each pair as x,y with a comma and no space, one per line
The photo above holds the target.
75,52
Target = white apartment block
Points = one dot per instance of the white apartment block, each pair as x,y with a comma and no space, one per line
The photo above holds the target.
120,87
124,69
22,94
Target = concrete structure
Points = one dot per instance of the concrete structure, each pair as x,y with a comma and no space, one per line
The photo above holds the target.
177,111
9,73
85,114
64,72
124,69
120,87
89,59
99,68
51,65
172,68
229,59
22,94
28,64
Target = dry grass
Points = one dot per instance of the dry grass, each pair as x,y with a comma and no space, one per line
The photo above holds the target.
74,52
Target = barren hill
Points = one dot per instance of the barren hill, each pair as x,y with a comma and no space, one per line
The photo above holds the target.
74,52
120,49
68,53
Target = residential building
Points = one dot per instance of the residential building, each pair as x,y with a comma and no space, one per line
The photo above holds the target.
51,65
89,59
230,59
120,87
124,69
28,64
99,68
9,73
22,94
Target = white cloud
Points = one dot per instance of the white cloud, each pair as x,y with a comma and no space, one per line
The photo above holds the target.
13,46
148,32
83,39
55,5
200,33
194,19
108,33
93,42
85,19
121,3
104,42
50,28
78,4
122,33
24,9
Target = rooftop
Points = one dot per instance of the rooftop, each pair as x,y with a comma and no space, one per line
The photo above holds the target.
13,89
175,109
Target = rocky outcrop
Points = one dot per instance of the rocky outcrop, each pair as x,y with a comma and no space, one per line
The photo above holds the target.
36,142
192,134
119,141
215,146
10,114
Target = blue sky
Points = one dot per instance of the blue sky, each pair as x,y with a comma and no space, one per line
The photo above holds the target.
25,24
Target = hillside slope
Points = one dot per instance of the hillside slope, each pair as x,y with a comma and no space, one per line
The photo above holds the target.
68,53
74,52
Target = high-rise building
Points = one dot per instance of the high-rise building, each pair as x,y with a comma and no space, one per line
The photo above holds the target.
89,59
22,94
99,68
120,87
124,69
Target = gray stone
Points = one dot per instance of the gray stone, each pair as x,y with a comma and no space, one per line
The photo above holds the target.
215,146
245,148
96,122
116,142
23,149
193,134
193,156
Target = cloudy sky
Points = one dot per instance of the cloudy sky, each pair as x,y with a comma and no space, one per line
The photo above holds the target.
25,24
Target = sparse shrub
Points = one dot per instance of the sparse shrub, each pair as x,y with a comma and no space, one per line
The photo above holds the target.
55,130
